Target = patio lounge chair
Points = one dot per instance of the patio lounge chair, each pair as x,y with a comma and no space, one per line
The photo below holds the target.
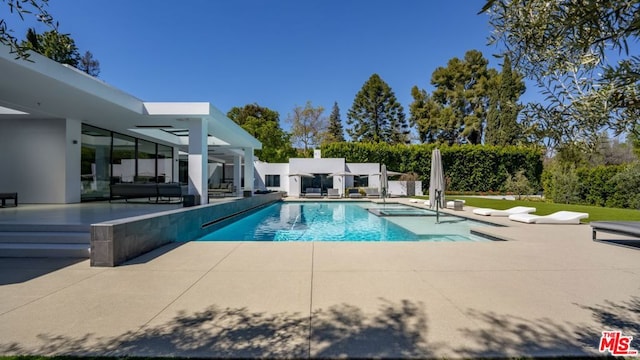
507,212
450,204
333,194
560,217
313,193
629,228
372,193
355,194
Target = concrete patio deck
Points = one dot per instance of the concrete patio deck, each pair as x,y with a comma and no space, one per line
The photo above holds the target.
550,290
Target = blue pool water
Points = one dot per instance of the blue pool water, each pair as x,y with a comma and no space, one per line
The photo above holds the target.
342,221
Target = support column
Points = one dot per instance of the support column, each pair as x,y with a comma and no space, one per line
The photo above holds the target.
175,174
248,170
237,174
73,145
198,159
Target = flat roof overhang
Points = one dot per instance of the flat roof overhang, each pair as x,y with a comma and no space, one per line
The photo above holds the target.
44,89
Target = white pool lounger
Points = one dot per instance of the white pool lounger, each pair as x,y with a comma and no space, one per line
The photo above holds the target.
507,212
560,217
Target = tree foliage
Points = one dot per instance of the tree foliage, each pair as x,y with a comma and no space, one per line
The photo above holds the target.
335,131
62,49
57,47
455,113
564,46
264,124
503,109
22,8
376,115
308,126
88,64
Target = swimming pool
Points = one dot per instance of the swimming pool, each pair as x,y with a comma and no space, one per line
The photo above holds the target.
343,221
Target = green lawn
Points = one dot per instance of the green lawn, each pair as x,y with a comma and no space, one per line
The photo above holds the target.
596,213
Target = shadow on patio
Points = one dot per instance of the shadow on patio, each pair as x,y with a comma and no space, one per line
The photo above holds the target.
395,330
506,335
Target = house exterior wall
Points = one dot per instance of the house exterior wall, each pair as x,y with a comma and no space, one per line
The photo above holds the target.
369,169
403,188
291,184
262,169
42,164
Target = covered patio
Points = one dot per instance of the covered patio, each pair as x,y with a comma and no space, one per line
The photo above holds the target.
66,133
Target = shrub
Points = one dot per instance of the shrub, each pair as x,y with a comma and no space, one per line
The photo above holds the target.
561,183
626,185
518,184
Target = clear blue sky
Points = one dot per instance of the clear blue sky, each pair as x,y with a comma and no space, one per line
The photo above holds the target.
277,53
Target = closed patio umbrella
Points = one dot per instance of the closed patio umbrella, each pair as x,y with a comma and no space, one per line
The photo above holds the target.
436,182
384,181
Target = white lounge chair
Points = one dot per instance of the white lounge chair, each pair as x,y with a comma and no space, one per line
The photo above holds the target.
507,212
560,217
452,203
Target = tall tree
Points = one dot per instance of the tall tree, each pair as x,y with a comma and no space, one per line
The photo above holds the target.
57,47
88,64
308,126
264,124
20,8
456,110
376,115
564,47
502,115
335,131
426,117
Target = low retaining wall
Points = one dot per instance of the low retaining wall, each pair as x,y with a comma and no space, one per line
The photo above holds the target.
114,242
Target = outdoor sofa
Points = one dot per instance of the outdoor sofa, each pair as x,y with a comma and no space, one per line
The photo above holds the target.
313,193
629,228
221,189
128,191
9,196
372,193
333,193
355,194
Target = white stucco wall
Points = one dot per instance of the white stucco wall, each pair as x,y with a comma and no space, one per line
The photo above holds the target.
262,169
316,166
40,161
400,188
372,170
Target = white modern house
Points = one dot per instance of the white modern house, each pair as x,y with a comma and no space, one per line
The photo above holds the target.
66,137
299,174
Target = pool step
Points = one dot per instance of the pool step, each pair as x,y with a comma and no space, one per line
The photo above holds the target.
73,241
40,250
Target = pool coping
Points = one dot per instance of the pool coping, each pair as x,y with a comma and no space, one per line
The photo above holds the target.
116,241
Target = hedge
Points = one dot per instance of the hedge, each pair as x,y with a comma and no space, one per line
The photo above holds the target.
605,185
479,168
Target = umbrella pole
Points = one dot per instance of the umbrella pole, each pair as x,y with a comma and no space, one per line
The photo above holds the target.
438,195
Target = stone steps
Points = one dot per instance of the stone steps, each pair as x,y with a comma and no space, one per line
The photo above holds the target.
24,240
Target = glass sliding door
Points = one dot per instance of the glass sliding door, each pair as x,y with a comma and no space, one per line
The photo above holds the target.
165,164
108,158
146,162
95,166
123,158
